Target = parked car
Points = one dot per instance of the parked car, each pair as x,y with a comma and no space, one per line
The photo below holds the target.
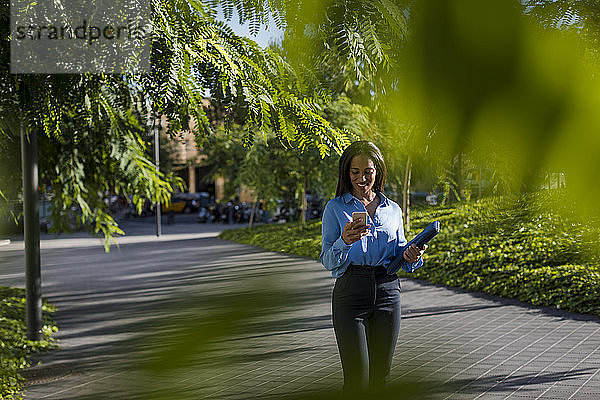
177,204
189,202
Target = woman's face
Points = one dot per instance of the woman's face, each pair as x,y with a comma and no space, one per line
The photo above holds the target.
362,175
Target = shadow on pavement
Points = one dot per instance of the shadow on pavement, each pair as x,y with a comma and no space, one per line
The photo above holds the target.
504,301
136,316
431,311
503,383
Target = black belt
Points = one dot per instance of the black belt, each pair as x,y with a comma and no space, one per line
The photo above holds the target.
378,270
367,266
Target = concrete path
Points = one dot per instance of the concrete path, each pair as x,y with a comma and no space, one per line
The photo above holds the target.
190,316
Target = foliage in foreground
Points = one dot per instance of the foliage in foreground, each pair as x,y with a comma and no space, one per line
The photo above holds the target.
531,248
14,346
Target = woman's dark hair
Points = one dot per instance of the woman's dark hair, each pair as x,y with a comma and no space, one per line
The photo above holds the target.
360,148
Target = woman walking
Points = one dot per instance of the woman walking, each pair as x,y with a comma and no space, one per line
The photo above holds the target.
366,298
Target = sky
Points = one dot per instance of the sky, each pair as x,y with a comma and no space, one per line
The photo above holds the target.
264,36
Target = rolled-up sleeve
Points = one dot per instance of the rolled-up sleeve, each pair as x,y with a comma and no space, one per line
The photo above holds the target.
334,251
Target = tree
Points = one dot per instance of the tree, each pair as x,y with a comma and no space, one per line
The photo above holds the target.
522,107
352,49
527,105
92,128
581,17
274,172
277,169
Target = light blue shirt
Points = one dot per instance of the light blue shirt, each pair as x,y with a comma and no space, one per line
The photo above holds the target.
384,241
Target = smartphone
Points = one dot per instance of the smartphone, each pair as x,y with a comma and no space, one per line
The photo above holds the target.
360,216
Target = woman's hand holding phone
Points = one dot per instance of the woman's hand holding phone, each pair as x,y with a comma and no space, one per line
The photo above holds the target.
354,230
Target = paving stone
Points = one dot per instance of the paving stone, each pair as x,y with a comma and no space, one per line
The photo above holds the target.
480,346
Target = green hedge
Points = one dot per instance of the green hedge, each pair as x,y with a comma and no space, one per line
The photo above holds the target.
14,346
532,248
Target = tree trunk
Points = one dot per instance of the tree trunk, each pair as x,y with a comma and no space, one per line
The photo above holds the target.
252,212
459,176
408,199
156,128
406,195
304,204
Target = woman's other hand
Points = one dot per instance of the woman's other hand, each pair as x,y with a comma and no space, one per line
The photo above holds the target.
413,253
354,231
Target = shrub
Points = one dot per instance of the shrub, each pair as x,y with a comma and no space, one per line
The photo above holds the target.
14,346
532,248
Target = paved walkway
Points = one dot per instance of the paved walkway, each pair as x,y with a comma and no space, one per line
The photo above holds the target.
190,316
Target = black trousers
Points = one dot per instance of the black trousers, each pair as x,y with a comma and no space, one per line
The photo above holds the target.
366,320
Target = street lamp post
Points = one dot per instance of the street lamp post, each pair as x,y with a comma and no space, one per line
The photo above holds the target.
157,128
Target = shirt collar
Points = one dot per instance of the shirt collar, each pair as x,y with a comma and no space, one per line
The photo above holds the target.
384,200
348,198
